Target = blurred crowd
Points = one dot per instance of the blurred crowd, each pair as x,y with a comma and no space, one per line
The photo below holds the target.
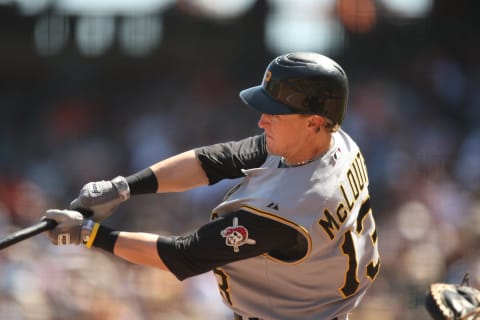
417,122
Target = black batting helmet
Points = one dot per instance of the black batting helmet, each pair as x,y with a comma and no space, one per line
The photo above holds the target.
301,83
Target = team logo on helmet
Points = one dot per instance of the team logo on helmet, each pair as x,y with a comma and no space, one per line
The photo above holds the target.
268,76
236,236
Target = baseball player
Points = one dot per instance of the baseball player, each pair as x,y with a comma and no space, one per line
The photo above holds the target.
295,239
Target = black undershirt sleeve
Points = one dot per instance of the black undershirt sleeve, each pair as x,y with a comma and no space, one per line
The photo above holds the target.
226,160
206,248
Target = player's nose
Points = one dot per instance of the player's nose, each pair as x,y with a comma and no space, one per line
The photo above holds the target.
263,121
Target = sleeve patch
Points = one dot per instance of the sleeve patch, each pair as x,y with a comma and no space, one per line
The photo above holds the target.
236,236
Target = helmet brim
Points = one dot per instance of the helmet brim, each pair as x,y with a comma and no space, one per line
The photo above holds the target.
258,99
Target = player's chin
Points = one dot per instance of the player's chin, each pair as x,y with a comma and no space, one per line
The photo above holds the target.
268,143
272,145
272,149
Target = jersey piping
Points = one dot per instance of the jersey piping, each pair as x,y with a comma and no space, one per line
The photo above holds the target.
302,230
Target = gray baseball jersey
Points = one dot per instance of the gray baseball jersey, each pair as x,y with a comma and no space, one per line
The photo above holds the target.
326,201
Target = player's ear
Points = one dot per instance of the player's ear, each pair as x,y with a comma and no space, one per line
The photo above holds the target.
315,123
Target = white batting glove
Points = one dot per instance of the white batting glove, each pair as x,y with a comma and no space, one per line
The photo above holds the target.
102,197
71,227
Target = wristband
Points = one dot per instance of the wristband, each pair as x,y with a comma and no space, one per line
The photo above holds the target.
105,238
143,182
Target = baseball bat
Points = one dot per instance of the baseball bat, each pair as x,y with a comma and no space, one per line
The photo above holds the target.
27,232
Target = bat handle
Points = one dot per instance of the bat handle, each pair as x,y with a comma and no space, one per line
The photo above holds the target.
49,224
87,213
39,227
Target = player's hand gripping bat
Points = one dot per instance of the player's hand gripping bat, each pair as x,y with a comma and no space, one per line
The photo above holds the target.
28,232
107,195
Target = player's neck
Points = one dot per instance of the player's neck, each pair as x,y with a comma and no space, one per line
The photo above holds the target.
316,153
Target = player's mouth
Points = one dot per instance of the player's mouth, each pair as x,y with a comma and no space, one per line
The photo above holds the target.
268,138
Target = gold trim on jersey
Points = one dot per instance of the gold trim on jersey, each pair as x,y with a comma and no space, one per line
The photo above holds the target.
302,230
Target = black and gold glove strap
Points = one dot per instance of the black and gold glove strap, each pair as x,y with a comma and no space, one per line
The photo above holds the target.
96,235
92,236
87,234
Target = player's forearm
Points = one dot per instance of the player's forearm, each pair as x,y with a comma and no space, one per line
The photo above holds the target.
179,173
138,248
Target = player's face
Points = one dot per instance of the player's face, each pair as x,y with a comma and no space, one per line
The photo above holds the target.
285,134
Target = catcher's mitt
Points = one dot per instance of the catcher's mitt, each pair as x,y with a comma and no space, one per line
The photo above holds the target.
445,301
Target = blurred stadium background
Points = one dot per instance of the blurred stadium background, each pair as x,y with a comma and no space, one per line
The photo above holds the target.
92,89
